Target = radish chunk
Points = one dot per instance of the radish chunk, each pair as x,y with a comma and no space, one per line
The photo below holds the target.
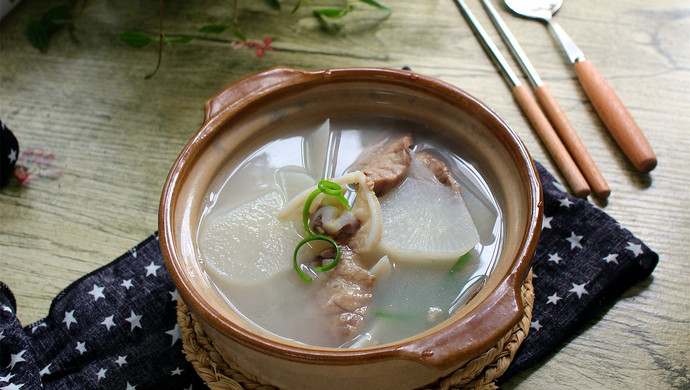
247,245
425,223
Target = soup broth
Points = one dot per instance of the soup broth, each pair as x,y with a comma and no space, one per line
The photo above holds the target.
238,223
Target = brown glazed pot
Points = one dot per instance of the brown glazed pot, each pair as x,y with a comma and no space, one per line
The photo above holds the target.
239,115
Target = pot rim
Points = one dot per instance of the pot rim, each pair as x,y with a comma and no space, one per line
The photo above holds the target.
505,298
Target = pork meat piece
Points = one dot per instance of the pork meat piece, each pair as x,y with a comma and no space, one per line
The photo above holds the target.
438,169
345,294
386,165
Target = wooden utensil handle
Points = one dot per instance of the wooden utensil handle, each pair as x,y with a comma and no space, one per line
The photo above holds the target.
616,117
572,142
550,139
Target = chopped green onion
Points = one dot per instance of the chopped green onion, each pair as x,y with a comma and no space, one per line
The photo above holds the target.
395,316
331,189
305,211
458,264
328,188
315,237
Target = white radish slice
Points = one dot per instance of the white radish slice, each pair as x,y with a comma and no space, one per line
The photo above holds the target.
425,223
248,244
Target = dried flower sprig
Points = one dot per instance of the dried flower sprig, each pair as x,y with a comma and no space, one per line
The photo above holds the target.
138,39
39,31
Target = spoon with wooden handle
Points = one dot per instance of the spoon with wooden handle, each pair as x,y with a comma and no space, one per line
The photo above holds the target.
553,110
608,106
531,108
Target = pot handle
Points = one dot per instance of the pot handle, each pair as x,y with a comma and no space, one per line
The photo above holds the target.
254,85
497,317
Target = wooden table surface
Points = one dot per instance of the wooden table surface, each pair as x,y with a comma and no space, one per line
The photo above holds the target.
115,135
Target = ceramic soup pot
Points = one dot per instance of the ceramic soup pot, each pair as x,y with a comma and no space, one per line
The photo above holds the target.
236,121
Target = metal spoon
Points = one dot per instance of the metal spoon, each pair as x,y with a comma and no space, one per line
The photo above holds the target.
608,106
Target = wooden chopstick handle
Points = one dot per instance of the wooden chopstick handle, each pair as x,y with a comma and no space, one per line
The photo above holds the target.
616,117
572,142
551,141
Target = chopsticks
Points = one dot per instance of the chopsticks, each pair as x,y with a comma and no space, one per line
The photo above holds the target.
553,110
531,108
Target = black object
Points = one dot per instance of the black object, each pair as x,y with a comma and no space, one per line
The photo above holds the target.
9,152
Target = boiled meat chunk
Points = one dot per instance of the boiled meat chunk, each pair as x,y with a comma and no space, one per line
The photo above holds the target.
345,294
386,164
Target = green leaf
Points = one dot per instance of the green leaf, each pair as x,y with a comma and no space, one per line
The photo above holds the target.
38,35
240,35
333,13
136,38
376,4
182,39
273,4
214,28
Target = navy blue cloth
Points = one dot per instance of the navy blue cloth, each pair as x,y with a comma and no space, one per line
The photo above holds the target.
115,328
9,152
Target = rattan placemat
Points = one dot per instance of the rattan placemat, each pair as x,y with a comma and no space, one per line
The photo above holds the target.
479,373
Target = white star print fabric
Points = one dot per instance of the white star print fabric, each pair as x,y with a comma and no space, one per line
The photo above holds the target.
113,329
116,327
584,260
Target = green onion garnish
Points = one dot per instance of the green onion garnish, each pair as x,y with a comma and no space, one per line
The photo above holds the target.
315,237
331,189
461,260
328,188
395,316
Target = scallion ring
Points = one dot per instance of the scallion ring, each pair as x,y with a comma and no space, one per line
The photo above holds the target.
328,188
315,237
334,189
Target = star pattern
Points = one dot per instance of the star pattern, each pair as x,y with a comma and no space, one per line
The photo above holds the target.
126,283
12,386
176,333
579,289
574,240
636,249
108,322
579,259
611,258
97,292
121,360
45,370
16,358
152,269
565,202
134,320
81,347
535,325
546,223
69,318
553,257
12,156
553,299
